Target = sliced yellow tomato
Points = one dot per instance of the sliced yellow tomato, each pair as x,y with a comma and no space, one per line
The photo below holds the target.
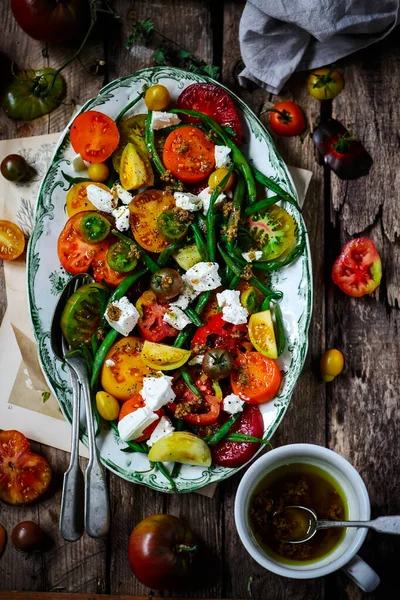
262,335
161,356
77,200
107,406
145,209
123,376
182,447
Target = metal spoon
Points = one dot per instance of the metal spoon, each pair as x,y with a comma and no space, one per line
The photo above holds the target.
390,524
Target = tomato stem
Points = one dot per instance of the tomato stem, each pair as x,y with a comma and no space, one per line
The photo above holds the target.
285,115
323,80
185,548
342,144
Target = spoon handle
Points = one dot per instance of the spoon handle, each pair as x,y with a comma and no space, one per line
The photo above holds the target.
390,524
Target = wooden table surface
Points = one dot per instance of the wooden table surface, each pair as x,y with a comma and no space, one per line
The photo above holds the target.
357,415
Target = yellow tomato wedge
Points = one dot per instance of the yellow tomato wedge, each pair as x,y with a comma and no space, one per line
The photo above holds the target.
262,335
123,370
161,356
182,447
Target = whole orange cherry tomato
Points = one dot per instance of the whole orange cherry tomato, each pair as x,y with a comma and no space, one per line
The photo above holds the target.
286,118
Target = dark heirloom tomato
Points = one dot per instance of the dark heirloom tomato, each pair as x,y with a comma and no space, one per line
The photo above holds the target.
163,552
236,454
151,324
94,136
358,270
166,283
28,537
82,314
217,363
14,167
50,20
213,101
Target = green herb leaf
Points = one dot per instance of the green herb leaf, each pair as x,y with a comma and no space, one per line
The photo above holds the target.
45,396
141,32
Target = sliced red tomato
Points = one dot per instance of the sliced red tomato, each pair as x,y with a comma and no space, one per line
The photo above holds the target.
151,324
190,408
236,454
257,378
189,154
213,101
358,270
94,136
101,269
220,334
133,404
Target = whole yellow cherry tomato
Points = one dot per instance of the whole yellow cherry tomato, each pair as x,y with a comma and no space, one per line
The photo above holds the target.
157,97
107,406
98,172
325,83
331,364
217,176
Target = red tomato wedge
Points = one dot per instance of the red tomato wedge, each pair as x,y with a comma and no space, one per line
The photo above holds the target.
213,101
256,379
151,324
129,406
236,454
358,270
94,136
189,154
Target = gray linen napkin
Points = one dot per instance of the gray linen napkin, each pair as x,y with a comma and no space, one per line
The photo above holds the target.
278,37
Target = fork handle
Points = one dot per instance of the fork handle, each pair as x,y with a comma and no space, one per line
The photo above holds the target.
97,503
72,500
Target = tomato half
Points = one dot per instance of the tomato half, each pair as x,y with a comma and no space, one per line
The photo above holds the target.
133,404
213,101
287,118
257,379
358,270
151,324
12,241
236,454
189,154
145,209
82,313
124,378
77,200
272,232
94,136
221,334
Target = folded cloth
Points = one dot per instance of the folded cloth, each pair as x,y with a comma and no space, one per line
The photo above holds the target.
278,37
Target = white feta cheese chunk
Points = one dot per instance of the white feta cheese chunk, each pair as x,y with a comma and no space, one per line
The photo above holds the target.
232,310
79,164
205,196
203,276
188,201
252,255
157,391
123,195
101,199
222,158
232,404
161,119
110,363
121,216
164,429
187,295
175,317
196,360
132,426
122,316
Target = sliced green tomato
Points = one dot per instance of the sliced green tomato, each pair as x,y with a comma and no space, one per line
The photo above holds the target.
273,232
262,335
171,227
82,314
93,227
161,356
182,447
122,256
251,298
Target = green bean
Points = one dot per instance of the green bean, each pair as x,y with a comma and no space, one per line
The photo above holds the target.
149,263
184,335
199,240
101,355
274,187
202,301
151,147
275,265
129,106
88,357
187,378
260,206
241,437
234,217
212,440
125,285
179,425
210,218
279,328
237,270
133,446
163,469
234,282
166,254
237,156
193,316
94,343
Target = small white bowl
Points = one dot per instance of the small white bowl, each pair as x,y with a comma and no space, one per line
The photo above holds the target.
352,486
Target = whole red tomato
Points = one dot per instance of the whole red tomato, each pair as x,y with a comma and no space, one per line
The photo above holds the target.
50,20
163,552
286,118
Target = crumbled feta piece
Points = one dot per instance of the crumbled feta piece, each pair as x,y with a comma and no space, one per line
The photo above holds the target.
122,316
121,193
188,201
101,199
187,295
157,391
232,310
233,404
121,216
252,255
205,196
175,317
203,276
110,363
161,119
164,429
132,426
78,164
196,360
222,158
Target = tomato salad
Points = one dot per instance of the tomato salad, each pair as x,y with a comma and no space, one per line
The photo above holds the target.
181,330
